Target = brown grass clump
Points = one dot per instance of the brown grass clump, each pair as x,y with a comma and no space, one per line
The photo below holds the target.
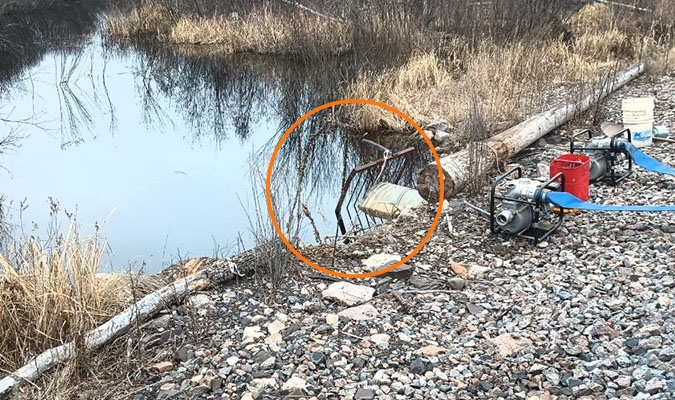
50,295
597,34
415,88
148,20
264,31
593,17
510,81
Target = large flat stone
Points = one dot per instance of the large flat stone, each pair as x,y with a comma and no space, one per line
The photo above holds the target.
379,261
363,312
507,345
348,294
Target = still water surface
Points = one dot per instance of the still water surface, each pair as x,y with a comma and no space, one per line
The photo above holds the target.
154,149
155,190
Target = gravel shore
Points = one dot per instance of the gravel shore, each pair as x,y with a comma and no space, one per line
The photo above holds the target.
586,314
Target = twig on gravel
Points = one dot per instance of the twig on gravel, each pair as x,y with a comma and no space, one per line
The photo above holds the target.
321,276
351,335
427,291
476,208
501,315
397,295
484,281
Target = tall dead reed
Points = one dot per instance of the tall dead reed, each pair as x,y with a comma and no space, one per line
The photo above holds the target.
52,293
424,58
272,257
511,81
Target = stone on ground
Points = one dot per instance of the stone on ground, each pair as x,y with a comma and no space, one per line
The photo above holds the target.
163,366
379,261
294,383
363,312
506,344
432,350
458,268
348,294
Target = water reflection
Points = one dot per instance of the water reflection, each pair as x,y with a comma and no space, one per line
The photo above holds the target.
153,146
214,93
27,36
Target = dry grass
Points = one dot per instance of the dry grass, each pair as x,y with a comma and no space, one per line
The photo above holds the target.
502,78
438,58
416,88
510,82
598,35
50,295
438,72
262,30
148,20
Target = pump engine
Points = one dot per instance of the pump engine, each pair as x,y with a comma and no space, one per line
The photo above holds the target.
608,156
522,209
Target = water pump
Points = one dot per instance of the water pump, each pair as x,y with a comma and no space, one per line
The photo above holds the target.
523,209
535,208
609,156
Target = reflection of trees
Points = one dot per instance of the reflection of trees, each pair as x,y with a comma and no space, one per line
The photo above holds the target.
223,96
219,95
74,110
29,32
25,36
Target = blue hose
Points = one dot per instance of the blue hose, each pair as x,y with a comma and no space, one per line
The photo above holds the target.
645,161
566,200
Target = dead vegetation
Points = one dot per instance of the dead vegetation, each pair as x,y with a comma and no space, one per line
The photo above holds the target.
26,6
52,293
510,81
431,60
261,30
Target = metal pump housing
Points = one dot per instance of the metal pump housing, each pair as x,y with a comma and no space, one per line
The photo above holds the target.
522,208
606,154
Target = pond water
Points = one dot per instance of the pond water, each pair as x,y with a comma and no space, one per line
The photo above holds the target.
154,148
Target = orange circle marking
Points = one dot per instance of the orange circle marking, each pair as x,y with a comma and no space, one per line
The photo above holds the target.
269,180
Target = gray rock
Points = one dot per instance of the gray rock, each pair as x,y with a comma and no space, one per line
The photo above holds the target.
654,385
623,381
667,353
552,375
417,367
440,374
456,283
564,295
185,353
640,372
268,363
364,394
199,301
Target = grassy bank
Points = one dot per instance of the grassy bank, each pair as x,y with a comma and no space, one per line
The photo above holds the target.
431,61
52,293
509,81
272,28
262,30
